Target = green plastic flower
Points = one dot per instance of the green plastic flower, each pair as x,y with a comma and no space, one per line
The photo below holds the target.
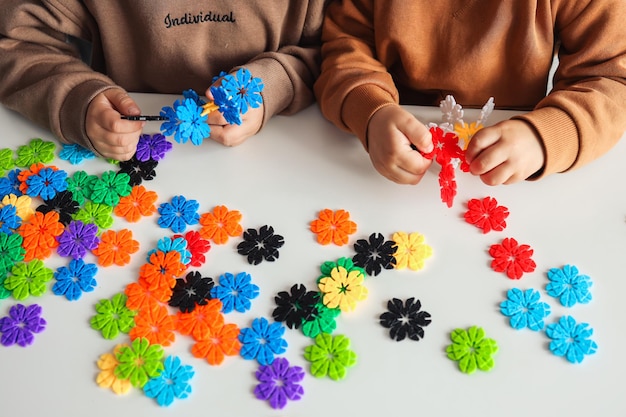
471,349
323,321
37,151
113,317
99,214
330,356
81,185
4,293
11,251
28,279
108,189
346,263
139,362
7,162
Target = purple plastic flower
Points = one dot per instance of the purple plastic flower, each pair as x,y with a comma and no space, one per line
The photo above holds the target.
178,214
279,382
152,147
77,239
20,325
46,183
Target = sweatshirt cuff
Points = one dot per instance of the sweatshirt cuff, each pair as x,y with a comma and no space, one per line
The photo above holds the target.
359,107
277,91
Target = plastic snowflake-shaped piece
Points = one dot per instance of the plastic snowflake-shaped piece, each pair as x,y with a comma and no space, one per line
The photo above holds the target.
110,187
323,320
141,296
375,254
186,122
220,340
9,221
342,288
23,205
226,104
178,214
152,147
201,321
569,286
486,214
179,244
10,184
63,203
571,339
100,215
296,306
28,279
11,252
37,151
512,258
40,235
261,245
525,309
405,319
330,356
139,203
333,227
139,362
21,324
162,270
138,171
116,247
46,183
154,324
219,224
171,384
74,153
235,292
81,185
197,246
77,239
411,250
244,89
190,291
472,350
106,378
262,341
112,317
279,383
73,280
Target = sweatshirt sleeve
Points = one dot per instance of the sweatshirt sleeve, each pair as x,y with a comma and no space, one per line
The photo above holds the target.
43,76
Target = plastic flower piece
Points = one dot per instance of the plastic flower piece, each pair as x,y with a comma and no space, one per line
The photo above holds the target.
4,293
106,377
296,306
343,288
261,245
40,235
139,203
472,350
244,89
197,246
486,214
9,221
73,280
466,131
116,247
11,252
330,356
110,187
21,324
46,183
152,147
411,251
190,291
63,203
178,244
405,319
11,183
26,174
74,153
186,122
323,320
140,296
226,104
569,286
77,239
375,254
235,292
139,362
22,205
100,215
80,185
571,339
262,341
172,383
112,317
447,183
333,226
162,270
6,161
279,383
219,341
202,321
37,151
511,258
28,279
525,309
178,214
138,171
219,224
154,324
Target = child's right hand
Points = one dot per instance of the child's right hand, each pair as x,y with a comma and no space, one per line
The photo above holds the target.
112,136
390,134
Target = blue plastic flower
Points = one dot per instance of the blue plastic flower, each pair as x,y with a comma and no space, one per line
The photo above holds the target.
46,183
178,214
262,341
9,220
170,126
244,89
190,93
235,292
569,286
571,339
193,126
179,244
172,383
75,279
152,147
75,154
10,184
525,309
226,105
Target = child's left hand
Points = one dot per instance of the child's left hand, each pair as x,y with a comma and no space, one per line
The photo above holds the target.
505,153
233,135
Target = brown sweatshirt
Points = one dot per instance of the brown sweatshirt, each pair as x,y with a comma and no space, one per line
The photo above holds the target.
151,46
377,52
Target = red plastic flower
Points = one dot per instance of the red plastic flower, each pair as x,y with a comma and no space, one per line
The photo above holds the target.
197,246
447,183
512,258
486,214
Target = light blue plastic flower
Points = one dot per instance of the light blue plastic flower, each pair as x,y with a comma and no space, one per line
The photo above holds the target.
75,279
10,184
46,183
75,154
243,89
571,339
235,292
178,214
9,220
193,126
179,244
172,383
262,341
525,309
569,286
226,106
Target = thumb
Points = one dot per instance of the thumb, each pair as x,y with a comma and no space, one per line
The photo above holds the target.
122,102
420,136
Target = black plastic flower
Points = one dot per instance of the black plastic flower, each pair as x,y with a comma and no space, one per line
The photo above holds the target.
260,245
63,203
295,307
138,171
190,291
375,254
405,319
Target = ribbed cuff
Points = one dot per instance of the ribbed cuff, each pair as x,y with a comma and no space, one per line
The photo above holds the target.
359,107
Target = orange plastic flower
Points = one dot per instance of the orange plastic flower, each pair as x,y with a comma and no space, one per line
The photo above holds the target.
220,341
333,227
220,224
39,235
116,247
155,324
139,203
23,208
140,296
162,270
199,322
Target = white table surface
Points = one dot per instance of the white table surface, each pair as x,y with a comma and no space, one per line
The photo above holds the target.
283,177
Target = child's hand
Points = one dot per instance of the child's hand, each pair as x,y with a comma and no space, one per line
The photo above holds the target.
233,135
390,134
505,153
112,136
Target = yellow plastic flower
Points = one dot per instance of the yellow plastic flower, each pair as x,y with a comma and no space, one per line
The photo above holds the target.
411,250
22,205
466,131
107,378
343,288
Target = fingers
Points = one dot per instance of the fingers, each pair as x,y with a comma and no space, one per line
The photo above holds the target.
122,102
